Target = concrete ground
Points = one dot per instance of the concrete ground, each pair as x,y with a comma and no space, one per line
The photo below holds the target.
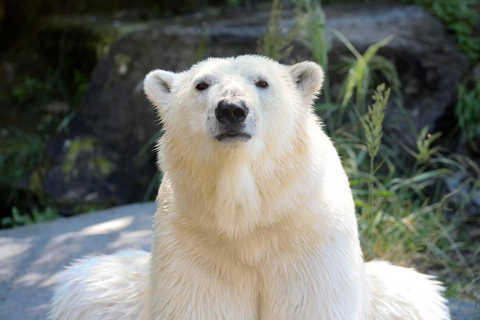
32,257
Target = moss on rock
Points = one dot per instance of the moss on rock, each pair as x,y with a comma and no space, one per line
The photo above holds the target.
75,149
100,166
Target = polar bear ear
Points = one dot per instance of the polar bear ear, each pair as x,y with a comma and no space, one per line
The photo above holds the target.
308,77
158,87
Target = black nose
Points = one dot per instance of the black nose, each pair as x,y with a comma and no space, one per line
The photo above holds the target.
229,113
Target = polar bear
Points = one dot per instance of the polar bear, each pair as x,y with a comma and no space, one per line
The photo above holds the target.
255,217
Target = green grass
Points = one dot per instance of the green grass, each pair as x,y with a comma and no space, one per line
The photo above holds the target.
310,20
26,218
467,111
275,43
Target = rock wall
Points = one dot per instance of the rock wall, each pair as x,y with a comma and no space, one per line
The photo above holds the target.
116,114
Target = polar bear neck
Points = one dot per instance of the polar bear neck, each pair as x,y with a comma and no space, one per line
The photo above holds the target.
235,195
237,202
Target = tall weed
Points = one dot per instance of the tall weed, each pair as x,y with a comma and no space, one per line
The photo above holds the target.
467,111
275,44
311,24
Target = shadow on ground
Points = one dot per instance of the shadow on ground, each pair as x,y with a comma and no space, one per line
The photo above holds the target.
32,257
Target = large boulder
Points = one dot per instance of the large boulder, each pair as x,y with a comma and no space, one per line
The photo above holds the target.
117,115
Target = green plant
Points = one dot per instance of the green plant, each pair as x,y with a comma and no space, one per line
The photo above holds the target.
311,24
19,154
80,85
467,111
372,124
22,146
399,219
360,71
21,219
460,17
275,44
31,90
424,146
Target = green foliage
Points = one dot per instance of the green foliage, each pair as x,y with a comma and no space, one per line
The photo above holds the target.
361,71
461,18
22,219
311,24
372,125
19,154
100,166
77,147
275,44
22,144
399,218
372,122
467,111
30,91
42,99
424,146
80,84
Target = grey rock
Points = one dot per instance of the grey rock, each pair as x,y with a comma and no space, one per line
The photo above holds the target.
464,194
462,310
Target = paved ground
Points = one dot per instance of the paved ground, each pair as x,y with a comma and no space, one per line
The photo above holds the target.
32,257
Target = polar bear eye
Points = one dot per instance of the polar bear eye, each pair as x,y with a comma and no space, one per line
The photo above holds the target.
261,84
201,86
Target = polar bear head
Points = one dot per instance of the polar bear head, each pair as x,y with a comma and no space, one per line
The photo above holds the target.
233,103
231,126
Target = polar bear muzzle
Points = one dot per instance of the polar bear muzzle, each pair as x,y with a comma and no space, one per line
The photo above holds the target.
230,124
230,113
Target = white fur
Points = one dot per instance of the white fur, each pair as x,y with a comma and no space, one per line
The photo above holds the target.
256,230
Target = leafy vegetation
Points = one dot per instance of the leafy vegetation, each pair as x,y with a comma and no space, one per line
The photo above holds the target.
400,191
275,44
468,114
311,25
461,18
361,70
22,219
372,125
38,107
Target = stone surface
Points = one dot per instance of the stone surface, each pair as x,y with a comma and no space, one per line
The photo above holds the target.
116,112
32,257
462,310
